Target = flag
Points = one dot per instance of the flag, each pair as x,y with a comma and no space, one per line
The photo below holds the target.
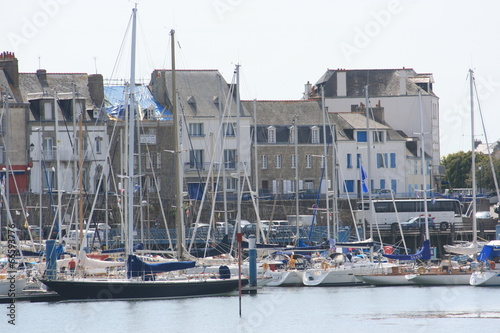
364,187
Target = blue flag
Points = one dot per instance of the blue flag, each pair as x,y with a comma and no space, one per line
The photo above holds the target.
364,187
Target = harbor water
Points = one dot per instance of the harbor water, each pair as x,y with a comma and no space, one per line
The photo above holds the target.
275,309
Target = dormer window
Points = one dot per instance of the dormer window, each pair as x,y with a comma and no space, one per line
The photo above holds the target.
271,134
47,110
292,134
315,134
378,136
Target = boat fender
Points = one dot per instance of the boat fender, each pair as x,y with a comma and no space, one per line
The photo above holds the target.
324,265
492,265
421,270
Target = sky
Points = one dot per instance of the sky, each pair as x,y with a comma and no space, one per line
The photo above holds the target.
279,44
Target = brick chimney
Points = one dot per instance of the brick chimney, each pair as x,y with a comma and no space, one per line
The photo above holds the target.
8,62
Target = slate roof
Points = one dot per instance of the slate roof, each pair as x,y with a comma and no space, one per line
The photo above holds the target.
198,92
32,86
381,82
283,112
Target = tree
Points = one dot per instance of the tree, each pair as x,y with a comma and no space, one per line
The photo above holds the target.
458,170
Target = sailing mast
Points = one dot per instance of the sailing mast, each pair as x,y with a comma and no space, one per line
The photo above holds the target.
424,169
325,161
179,216
473,156
131,140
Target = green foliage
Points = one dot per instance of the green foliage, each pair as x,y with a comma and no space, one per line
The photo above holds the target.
458,170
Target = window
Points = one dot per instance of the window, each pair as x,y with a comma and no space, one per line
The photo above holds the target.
358,161
98,145
349,185
382,183
382,160
315,134
271,134
153,160
2,155
48,148
231,184
228,129
308,162
308,185
278,161
47,111
349,161
196,129
292,134
294,162
378,136
393,160
394,185
196,159
361,136
230,158
158,160
264,161
49,180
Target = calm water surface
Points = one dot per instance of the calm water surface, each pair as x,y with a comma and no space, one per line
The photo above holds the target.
300,309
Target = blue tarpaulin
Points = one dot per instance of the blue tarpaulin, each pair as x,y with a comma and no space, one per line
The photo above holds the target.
136,267
423,254
115,97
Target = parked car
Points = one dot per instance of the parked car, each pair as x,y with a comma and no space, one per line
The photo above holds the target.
415,223
308,194
484,215
380,194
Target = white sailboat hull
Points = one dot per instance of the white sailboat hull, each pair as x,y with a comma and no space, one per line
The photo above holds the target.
485,278
385,279
285,278
440,279
6,284
329,277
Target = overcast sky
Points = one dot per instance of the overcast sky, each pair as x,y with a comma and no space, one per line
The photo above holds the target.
280,45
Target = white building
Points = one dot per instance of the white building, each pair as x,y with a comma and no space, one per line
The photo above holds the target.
395,90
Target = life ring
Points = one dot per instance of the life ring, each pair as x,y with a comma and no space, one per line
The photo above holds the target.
421,270
492,265
324,265
265,266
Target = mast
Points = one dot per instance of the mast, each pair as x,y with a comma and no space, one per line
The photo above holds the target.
179,216
131,140
473,146
424,168
295,129
256,168
58,171
325,161
369,177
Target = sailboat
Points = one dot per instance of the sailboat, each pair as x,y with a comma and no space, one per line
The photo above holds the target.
146,280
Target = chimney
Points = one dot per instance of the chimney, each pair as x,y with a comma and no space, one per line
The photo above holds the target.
8,62
96,89
307,90
341,83
158,86
402,83
42,77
